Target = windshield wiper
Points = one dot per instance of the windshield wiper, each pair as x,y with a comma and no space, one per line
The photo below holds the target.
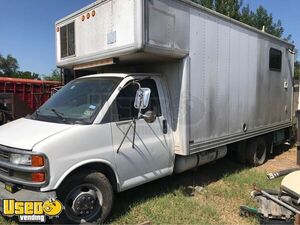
59,116
36,114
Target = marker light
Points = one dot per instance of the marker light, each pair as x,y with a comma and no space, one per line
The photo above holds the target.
82,17
93,13
88,15
37,161
38,177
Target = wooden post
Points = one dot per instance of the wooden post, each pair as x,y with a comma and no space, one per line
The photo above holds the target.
298,137
297,219
298,155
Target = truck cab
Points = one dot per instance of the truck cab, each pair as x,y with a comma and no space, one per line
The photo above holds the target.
114,123
174,87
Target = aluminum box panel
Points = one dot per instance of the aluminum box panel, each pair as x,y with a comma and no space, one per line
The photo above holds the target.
113,28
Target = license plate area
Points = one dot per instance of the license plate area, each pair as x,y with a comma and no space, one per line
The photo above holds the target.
12,188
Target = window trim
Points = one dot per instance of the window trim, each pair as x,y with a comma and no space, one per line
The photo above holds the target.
270,53
108,114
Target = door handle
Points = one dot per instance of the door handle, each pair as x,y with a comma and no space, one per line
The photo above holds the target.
165,127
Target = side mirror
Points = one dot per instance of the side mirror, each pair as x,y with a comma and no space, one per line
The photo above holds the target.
142,98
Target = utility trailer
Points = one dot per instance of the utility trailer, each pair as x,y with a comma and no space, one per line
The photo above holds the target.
175,86
20,97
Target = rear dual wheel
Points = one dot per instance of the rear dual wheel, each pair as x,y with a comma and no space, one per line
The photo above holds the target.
252,152
256,154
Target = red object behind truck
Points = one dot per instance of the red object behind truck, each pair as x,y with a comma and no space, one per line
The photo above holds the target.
20,97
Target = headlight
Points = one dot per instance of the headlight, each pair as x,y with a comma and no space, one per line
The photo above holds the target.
30,161
20,159
27,160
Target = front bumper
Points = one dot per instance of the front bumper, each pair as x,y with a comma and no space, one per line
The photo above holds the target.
24,195
7,168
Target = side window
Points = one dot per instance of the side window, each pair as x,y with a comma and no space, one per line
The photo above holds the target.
124,103
123,107
275,59
154,103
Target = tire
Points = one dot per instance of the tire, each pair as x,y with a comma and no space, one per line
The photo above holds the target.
256,154
87,198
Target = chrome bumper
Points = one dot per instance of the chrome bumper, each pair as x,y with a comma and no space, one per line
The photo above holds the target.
6,168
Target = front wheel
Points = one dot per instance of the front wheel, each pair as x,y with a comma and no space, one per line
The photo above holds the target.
87,197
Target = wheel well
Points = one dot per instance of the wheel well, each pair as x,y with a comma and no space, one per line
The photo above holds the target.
99,167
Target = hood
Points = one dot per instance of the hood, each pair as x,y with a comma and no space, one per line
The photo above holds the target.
26,133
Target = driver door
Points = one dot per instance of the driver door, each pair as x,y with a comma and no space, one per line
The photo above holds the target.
142,152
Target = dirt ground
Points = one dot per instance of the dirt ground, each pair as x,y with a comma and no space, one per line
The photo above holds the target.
283,158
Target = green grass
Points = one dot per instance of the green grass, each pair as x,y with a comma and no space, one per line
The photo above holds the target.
178,200
175,200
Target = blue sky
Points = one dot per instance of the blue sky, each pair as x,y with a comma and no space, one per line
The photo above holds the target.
27,27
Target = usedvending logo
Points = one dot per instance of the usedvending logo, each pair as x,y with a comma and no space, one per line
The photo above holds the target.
32,211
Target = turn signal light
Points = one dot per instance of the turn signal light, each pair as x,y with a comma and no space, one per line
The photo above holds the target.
37,161
38,177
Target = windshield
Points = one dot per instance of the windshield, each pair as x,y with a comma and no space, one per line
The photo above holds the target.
78,102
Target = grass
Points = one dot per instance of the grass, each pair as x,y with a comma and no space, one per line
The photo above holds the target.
210,195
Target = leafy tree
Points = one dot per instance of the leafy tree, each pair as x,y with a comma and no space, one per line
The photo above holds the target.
26,75
9,68
264,20
247,16
230,8
55,76
206,3
8,65
260,18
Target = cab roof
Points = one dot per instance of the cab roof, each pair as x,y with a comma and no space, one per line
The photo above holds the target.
120,75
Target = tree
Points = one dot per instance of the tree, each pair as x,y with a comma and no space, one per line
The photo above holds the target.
230,8
9,68
26,75
264,20
247,16
8,65
260,18
206,3
55,76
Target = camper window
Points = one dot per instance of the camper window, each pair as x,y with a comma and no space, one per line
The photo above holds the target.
275,59
67,40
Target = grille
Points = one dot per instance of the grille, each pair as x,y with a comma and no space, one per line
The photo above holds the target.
4,171
4,156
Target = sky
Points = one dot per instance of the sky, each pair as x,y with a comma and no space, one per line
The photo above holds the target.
27,27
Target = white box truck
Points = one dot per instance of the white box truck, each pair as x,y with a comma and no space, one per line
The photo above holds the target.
175,86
